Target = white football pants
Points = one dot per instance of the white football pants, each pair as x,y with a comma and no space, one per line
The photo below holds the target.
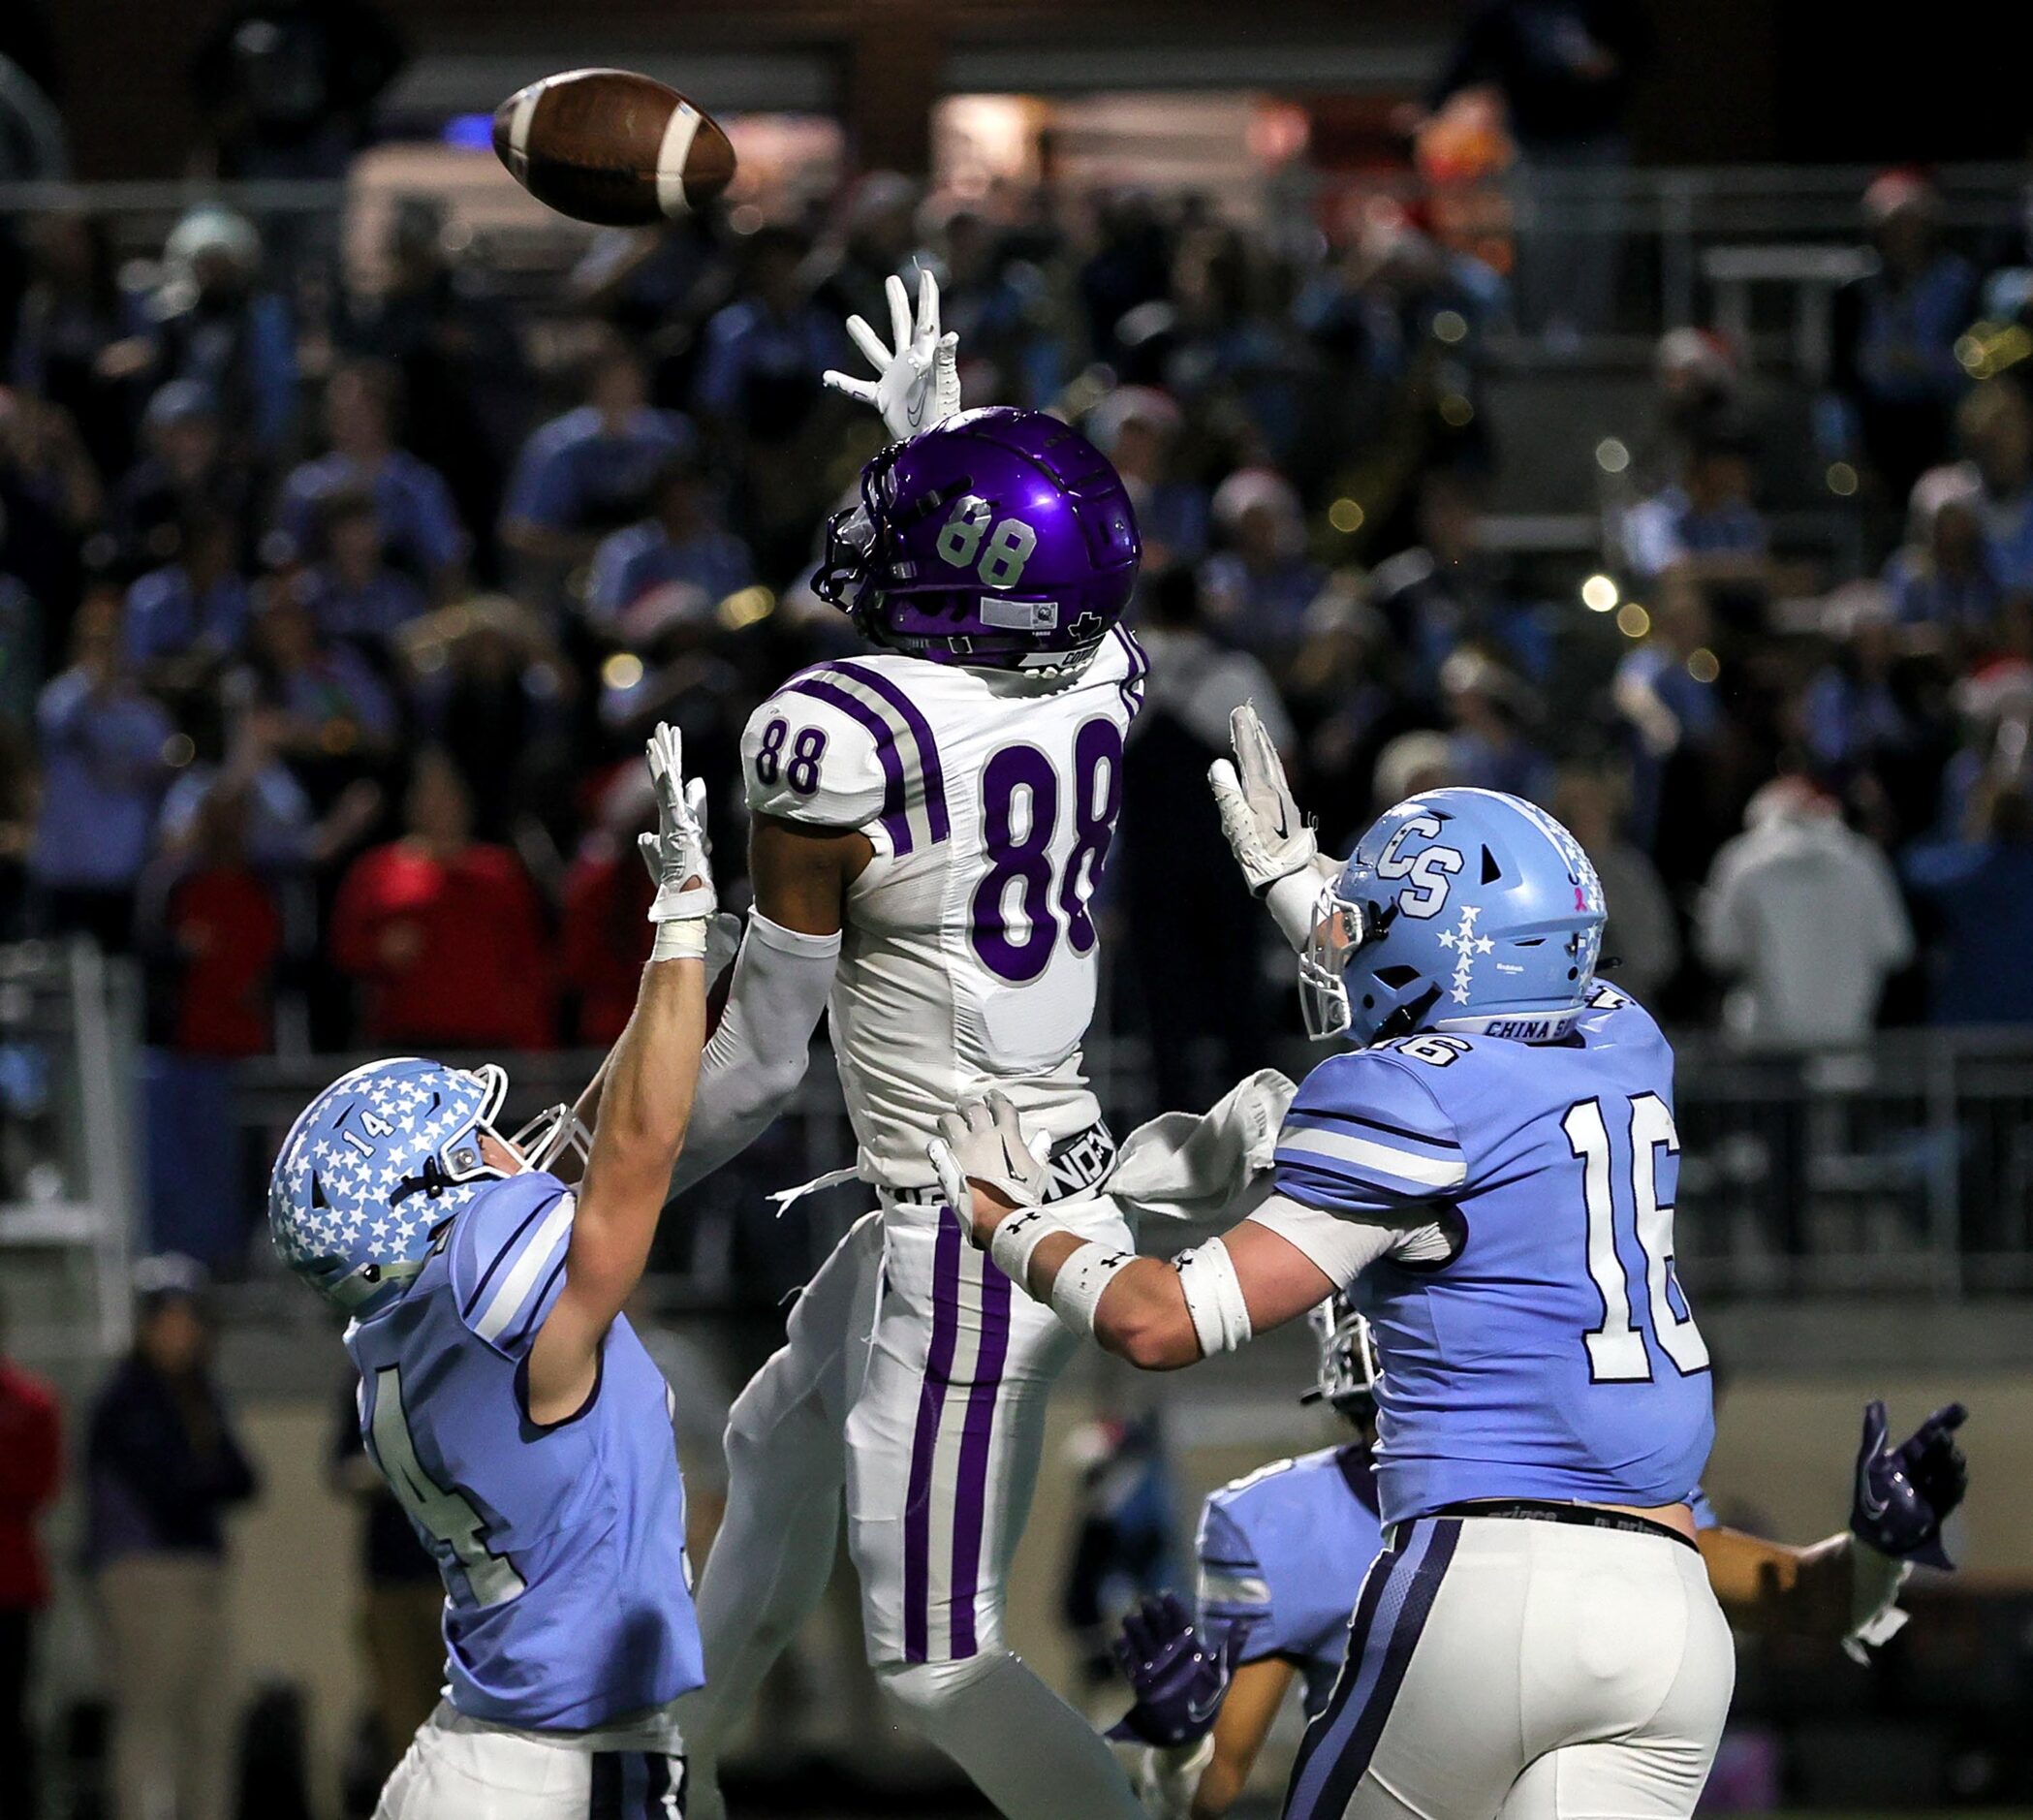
1532,1671
913,1379
457,1769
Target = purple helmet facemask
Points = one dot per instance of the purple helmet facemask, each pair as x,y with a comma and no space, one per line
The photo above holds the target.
1000,538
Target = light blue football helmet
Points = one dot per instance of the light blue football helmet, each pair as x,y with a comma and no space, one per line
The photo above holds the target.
376,1166
1461,910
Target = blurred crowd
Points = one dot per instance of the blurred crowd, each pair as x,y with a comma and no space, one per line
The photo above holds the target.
334,615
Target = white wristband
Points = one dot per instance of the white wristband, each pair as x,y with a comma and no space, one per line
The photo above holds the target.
681,939
1213,1297
1293,903
1875,1581
1077,1290
1171,1778
1012,1244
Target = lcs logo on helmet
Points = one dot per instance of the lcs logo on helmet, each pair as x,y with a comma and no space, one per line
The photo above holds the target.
1429,870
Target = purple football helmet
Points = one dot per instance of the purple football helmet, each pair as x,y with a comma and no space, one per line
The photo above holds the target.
1000,538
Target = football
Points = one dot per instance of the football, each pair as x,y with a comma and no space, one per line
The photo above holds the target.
612,147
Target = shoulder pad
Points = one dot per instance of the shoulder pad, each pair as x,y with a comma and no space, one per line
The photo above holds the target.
845,746
1364,1125
508,1259
1615,1016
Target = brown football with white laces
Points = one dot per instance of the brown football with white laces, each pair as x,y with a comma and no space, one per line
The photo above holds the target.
613,148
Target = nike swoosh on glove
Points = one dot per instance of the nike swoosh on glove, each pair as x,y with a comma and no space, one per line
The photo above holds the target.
1178,1680
1905,1493
1260,817
983,1140
917,383
678,854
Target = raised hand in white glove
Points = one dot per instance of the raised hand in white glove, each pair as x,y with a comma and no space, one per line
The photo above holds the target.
917,383
678,854
983,1141
1266,833
1274,844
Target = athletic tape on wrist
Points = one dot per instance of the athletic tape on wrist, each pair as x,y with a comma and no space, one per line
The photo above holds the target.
1213,1297
684,940
1294,903
1875,1581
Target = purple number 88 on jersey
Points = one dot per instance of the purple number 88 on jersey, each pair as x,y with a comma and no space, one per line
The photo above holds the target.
1025,900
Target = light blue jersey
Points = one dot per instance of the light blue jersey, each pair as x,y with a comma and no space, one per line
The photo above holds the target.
568,1603
1552,1354
1282,1554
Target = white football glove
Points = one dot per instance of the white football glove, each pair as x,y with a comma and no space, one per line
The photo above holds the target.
917,383
678,854
1266,833
983,1140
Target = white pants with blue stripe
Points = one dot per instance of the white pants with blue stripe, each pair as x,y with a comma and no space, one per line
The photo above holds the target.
1532,1671
456,1769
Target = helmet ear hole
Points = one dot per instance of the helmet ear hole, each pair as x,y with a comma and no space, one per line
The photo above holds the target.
1491,871
1396,978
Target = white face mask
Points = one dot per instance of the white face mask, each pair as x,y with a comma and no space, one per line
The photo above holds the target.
1323,992
1340,927
556,1135
553,1136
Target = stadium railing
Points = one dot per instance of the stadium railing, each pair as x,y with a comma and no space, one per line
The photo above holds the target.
1905,1167
70,1037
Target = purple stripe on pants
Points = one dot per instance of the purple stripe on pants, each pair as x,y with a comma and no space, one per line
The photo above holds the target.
971,1499
895,821
930,771
925,1443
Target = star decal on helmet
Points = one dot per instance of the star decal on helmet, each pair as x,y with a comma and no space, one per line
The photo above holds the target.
1466,946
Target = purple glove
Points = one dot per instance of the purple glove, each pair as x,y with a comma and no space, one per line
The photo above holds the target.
1177,1679
1904,1494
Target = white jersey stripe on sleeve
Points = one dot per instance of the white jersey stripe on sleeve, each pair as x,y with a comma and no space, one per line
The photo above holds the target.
1429,1172
1218,1587
526,1271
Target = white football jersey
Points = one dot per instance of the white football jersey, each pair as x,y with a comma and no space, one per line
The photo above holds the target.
969,957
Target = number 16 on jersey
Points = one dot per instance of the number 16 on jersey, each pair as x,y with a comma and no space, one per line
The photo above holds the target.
1617,1353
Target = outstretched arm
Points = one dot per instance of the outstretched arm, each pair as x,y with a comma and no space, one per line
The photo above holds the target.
1248,1710
1160,1314
1845,1586
758,1052
646,1100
